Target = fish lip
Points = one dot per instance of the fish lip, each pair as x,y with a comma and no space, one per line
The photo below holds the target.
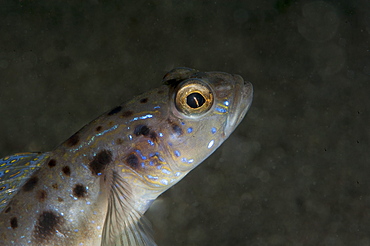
243,98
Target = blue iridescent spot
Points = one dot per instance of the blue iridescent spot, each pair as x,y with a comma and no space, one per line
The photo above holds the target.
226,103
210,144
142,117
150,142
152,177
159,157
108,130
166,171
213,130
221,110
156,107
177,153
186,160
160,134
130,137
190,130
142,164
182,123
141,155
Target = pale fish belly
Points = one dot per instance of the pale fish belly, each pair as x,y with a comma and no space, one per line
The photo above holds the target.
95,187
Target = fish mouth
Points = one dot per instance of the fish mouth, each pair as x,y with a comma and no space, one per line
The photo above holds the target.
243,98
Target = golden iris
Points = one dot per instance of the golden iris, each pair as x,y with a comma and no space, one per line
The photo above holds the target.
193,98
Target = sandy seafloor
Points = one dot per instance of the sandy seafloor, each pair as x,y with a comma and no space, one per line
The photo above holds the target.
295,172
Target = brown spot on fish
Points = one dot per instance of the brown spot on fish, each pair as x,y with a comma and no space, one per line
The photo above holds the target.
30,184
160,92
176,128
72,141
141,130
66,170
60,199
144,100
55,186
115,110
153,136
119,141
127,113
98,164
79,191
8,210
98,129
46,226
52,163
41,195
14,222
132,161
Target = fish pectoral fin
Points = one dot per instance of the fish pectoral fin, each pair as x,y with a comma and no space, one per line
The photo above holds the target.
124,226
15,170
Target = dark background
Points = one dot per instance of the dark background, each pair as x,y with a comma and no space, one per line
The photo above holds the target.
295,172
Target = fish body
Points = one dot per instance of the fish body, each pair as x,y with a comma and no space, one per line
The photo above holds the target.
94,188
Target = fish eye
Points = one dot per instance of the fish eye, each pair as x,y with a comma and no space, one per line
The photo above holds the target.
193,98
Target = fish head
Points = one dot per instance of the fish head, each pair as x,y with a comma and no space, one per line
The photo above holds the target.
184,122
204,108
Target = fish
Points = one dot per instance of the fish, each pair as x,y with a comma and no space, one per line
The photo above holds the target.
95,187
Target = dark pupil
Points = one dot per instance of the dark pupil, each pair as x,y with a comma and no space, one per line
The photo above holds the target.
195,100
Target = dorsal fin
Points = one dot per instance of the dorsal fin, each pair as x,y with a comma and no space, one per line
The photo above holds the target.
124,226
15,170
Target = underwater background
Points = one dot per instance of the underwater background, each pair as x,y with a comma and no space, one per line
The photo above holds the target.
296,170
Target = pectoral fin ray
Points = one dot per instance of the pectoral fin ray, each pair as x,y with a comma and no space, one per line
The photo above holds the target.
124,226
